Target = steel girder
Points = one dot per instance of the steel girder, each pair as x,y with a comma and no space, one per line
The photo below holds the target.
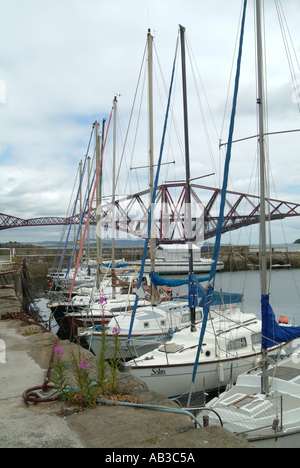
170,214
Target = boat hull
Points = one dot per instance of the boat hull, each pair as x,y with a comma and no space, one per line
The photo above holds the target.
175,380
289,439
179,268
78,322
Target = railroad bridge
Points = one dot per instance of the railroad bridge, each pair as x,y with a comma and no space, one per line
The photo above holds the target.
130,213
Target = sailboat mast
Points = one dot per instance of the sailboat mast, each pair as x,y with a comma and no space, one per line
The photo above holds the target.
88,229
113,191
260,102
187,165
80,200
98,198
263,243
151,177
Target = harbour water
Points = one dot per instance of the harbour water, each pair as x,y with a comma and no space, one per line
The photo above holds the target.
284,288
284,291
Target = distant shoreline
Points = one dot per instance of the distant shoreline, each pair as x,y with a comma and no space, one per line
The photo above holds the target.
124,243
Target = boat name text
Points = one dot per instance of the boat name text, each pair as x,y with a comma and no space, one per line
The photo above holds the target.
158,372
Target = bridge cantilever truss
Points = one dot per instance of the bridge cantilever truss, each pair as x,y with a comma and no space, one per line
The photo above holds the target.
131,213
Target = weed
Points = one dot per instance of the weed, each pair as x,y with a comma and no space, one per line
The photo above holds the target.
89,389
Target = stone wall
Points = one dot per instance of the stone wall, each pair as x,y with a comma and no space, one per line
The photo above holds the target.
39,260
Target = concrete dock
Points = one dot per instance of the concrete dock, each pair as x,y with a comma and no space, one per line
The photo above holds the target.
24,361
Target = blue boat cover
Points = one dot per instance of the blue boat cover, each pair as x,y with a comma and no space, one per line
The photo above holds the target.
196,292
271,332
217,298
118,265
159,281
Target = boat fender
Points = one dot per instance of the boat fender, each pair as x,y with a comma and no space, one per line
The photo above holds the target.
256,361
220,372
283,319
171,331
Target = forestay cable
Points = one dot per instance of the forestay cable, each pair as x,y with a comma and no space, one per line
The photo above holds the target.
210,286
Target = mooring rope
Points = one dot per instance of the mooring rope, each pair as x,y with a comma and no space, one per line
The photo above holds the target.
34,396
166,409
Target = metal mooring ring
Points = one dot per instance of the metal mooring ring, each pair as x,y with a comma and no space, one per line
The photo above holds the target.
34,397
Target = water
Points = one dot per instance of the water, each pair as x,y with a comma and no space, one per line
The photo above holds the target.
40,286
284,290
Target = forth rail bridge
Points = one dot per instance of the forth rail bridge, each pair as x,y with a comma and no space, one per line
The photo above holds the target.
131,213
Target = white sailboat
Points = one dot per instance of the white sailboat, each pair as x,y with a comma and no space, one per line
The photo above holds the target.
222,350
170,258
157,321
152,326
264,404
266,420
231,347
83,309
95,316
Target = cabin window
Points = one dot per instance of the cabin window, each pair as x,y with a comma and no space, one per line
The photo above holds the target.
198,314
162,322
170,348
146,325
118,309
185,318
245,400
236,344
256,338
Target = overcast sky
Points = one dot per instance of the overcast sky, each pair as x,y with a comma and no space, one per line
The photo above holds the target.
62,62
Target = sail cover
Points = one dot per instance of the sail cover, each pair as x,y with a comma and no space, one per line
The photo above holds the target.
159,281
117,265
272,333
218,297
197,293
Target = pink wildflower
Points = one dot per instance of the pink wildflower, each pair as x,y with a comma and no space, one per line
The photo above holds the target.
58,351
116,330
102,300
84,365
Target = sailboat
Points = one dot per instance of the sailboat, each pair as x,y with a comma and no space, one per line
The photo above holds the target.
224,347
264,404
155,322
173,258
83,309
